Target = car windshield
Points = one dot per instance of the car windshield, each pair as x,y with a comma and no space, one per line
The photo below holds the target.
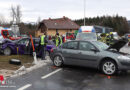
86,36
100,45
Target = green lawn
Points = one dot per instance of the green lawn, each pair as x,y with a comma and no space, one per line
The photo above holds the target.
25,59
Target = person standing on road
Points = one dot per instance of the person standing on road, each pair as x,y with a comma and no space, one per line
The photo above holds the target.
111,38
58,40
103,38
107,38
43,42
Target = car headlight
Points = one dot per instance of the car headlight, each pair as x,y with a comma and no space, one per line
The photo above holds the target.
123,57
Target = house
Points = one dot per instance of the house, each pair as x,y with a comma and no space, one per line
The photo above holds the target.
60,25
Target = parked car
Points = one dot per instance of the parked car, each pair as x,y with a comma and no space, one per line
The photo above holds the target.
23,46
92,54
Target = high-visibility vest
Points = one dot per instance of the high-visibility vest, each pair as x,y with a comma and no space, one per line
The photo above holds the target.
57,42
42,39
60,40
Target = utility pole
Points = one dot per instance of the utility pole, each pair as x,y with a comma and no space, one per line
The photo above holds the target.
84,10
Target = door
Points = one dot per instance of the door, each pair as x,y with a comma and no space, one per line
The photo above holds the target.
24,46
70,52
87,56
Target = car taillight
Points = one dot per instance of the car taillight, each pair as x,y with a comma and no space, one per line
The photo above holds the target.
51,50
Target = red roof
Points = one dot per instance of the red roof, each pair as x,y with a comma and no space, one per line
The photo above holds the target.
61,23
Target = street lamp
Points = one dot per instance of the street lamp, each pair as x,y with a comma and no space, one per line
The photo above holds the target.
84,10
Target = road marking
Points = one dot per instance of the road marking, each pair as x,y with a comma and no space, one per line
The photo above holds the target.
51,73
25,87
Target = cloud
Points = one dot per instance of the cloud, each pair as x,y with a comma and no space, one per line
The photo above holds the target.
74,9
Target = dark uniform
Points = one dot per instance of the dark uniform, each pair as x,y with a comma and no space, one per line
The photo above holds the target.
111,38
107,38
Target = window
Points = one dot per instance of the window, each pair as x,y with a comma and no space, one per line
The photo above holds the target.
72,45
36,41
56,30
85,46
64,45
24,41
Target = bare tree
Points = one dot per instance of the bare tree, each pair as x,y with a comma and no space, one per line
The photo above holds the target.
2,20
13,14
16,14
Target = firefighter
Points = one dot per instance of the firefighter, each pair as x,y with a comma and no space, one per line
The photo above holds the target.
43,42
58,40
107,38
111,38
103,38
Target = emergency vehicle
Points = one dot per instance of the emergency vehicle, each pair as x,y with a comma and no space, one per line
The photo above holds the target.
86,33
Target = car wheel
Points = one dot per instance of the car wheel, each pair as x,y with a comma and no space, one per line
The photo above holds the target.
109,67
57,61
7,51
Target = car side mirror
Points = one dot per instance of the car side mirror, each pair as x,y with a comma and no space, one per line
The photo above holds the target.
94,49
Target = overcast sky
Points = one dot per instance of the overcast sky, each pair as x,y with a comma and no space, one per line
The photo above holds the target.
32,9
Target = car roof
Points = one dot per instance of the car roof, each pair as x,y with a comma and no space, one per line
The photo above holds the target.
82,41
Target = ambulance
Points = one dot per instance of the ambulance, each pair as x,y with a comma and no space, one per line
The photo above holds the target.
86,33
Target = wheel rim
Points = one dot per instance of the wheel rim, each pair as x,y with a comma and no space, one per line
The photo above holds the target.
7,51
57,61
109,68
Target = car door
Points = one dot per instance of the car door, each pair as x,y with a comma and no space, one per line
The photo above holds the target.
23,46
36,42
70,52
87,56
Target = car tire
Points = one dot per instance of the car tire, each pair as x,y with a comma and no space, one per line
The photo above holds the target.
109,67
58,61
7,51
15,62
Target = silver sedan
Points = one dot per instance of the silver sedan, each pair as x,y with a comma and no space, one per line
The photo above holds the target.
92,54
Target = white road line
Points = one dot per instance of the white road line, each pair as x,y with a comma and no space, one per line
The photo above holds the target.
25,87
51,73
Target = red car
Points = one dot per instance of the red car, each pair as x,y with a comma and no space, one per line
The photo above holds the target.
70,36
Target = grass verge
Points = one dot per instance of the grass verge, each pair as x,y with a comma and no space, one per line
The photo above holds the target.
25,60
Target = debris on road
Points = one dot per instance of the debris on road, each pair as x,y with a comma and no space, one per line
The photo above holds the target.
15,61
22,70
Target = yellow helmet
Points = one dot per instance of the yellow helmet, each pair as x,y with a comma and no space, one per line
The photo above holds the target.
111,33
107,34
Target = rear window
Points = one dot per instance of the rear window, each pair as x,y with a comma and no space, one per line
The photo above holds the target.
86,36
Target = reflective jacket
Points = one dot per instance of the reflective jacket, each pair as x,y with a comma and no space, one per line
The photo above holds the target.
42,39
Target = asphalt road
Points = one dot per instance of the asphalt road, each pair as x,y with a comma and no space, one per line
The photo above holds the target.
68,78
